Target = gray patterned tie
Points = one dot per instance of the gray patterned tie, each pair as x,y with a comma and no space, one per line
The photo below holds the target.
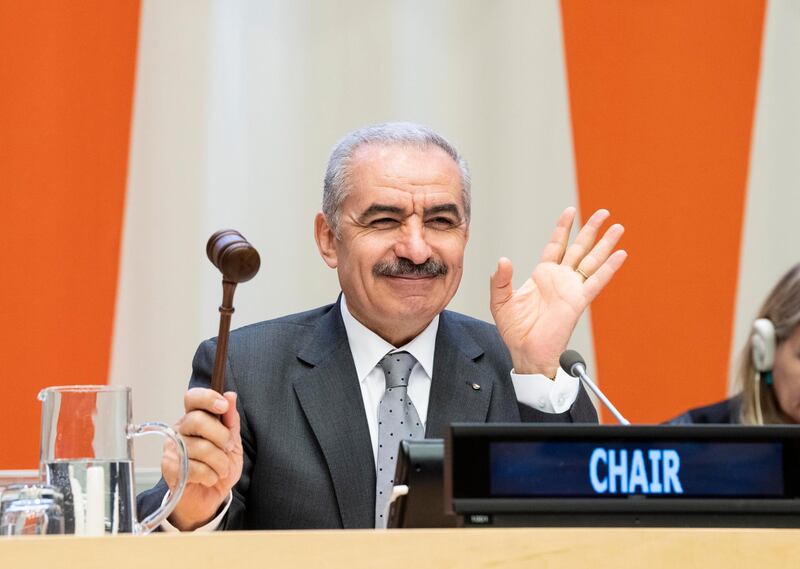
397,420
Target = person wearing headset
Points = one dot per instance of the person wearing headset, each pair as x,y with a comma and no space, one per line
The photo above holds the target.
768,370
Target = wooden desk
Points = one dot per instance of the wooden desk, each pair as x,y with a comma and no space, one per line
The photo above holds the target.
440,549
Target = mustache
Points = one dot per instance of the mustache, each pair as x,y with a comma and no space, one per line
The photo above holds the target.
403,267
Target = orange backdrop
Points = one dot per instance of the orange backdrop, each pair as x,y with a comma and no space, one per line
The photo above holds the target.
662,99
67,72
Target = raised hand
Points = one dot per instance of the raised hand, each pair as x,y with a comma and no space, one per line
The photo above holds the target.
215,456
537,320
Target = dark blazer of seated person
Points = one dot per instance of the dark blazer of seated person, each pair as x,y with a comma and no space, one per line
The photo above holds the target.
728,411
308,456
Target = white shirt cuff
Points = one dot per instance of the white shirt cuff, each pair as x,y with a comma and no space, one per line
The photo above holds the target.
546,395
210,526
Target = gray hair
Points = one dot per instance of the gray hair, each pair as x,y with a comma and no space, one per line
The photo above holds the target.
337,175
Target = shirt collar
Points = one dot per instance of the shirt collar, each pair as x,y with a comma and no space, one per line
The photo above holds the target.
368,348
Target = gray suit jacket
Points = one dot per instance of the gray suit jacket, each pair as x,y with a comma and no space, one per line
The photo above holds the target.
308,456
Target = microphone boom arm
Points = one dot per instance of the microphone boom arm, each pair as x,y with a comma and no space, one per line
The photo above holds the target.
580,371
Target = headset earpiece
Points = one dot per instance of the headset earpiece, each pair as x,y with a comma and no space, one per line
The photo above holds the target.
763,343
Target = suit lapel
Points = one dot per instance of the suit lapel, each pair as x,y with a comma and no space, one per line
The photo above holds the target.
456,368
330,396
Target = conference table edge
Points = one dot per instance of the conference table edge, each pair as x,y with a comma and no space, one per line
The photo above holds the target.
440,548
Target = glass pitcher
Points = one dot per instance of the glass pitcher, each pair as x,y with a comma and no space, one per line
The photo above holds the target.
86,453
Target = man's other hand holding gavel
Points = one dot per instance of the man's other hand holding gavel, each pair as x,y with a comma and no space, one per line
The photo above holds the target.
210,428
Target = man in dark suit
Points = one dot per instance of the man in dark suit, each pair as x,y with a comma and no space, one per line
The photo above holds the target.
303,442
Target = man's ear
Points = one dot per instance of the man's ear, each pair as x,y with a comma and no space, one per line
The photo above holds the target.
326,241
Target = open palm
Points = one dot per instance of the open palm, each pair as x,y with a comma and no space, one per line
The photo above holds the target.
537,320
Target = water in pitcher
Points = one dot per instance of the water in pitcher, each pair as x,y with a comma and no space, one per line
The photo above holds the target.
97,494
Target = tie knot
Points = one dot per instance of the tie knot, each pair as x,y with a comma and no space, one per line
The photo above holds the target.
397,368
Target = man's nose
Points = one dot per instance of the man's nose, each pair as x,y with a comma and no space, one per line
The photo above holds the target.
412,244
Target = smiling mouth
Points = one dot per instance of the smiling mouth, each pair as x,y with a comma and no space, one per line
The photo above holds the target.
412,277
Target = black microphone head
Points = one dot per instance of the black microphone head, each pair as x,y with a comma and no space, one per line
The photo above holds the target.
568,360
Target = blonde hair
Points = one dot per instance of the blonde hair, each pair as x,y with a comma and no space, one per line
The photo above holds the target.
782,308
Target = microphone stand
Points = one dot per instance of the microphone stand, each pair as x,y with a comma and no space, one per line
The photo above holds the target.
579,370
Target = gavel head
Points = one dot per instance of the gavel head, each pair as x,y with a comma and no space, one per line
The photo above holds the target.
233,255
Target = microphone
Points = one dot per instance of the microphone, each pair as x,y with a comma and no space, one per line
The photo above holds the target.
573,363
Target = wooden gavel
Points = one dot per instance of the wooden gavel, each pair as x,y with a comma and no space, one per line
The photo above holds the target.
239,262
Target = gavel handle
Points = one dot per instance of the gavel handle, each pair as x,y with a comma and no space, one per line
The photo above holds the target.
225,311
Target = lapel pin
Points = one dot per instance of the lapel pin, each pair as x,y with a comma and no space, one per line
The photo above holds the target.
475,386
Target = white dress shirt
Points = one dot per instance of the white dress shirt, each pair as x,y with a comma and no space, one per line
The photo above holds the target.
368,349
538,391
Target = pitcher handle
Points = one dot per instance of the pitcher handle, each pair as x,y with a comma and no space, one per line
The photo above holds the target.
152,521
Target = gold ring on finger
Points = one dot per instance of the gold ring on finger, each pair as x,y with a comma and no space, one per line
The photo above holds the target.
581,273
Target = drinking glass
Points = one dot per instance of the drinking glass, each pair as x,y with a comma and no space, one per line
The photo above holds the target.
31,509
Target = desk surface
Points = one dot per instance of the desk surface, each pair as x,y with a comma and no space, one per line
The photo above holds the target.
462,548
